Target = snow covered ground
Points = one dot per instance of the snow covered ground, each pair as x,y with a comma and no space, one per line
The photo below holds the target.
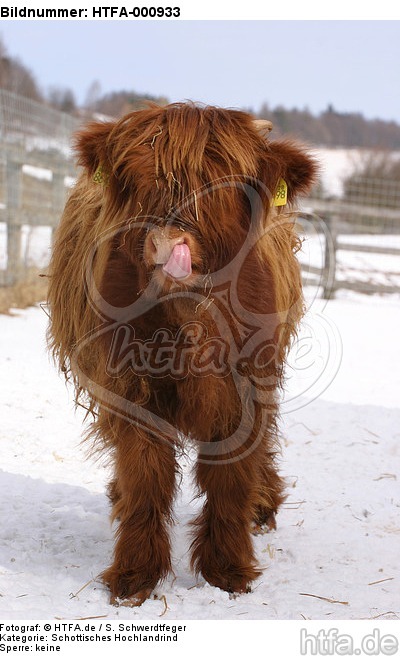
335,552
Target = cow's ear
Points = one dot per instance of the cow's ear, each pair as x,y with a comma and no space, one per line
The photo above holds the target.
91,145
294,165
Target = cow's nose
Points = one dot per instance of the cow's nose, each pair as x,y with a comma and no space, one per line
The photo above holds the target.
161,246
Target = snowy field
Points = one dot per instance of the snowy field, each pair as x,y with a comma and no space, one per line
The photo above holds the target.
334,555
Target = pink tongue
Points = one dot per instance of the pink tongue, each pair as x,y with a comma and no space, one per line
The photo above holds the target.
179,264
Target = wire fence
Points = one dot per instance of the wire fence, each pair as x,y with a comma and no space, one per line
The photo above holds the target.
32,126
358,242
36,169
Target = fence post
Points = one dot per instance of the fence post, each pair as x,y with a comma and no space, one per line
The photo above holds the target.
329,271
14,227
58,199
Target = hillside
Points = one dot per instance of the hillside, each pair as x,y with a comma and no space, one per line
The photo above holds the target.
330,128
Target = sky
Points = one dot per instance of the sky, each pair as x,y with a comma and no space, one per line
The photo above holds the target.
353,65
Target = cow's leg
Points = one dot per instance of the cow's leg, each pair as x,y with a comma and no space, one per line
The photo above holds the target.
142,491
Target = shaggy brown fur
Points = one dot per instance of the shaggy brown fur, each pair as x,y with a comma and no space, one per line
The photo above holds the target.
156,356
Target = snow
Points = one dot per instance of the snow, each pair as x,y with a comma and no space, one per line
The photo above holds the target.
38,172
335,552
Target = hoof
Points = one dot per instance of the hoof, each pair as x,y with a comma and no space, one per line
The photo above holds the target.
134,600
126,587
235,581
264,523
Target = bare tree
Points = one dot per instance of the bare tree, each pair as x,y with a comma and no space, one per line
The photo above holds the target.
15,77
62,99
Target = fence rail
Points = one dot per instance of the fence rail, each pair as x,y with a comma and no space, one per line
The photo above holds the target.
327,274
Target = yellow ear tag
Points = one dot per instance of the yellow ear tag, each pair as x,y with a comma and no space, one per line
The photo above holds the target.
100,176
280,197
